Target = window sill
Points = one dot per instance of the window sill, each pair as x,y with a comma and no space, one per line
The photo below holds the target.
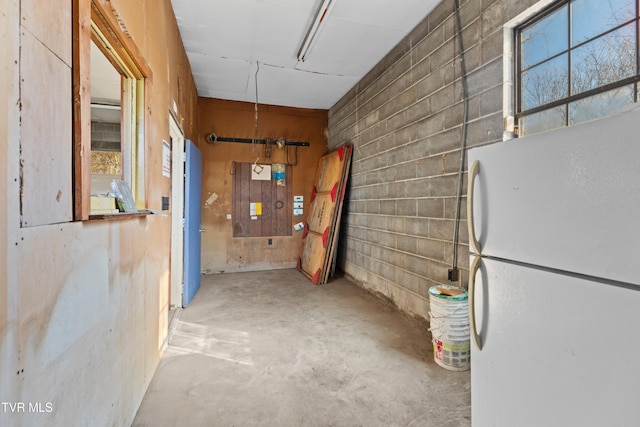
119,216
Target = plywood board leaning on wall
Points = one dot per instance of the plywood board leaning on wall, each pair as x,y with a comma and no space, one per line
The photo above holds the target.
330,263
320,233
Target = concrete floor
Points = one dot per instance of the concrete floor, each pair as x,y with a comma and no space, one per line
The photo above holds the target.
271,349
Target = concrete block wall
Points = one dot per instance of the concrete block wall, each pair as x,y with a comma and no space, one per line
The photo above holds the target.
105,136
405,120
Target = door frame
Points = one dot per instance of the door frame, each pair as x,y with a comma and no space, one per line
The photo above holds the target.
177,213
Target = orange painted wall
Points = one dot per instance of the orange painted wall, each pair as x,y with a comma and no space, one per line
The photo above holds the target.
220,250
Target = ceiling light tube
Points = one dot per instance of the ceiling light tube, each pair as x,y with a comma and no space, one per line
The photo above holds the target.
314,30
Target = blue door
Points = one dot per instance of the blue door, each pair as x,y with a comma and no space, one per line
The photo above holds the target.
192,215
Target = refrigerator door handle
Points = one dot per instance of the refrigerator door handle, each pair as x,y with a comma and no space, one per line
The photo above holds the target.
473,172
475,266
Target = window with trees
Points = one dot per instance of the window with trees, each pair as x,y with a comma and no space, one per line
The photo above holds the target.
576,61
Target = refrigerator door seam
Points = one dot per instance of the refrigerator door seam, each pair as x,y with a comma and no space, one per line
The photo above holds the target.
601,280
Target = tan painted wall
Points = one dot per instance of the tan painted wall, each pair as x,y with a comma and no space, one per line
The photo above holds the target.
83,306
9,119
220,250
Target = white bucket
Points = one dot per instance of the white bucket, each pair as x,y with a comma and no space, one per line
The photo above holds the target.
451,354
449,318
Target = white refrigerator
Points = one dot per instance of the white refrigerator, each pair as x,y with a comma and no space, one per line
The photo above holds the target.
554,285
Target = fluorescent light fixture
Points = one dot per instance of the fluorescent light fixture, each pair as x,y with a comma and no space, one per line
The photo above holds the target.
314,30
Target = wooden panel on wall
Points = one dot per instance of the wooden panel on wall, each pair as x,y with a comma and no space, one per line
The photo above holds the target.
276,204
46,141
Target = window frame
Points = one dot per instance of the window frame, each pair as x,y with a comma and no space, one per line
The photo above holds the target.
513,67
92,21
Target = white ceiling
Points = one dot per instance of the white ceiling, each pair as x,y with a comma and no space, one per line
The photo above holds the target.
227,40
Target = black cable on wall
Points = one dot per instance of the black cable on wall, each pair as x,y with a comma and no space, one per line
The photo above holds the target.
453,272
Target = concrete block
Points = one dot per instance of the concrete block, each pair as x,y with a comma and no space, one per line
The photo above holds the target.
420,187
443,55
359,233
431,249
472,59
394,157
376,131
397,224
409,281
431,125
406,171
416,265
442,186
450,205
440,13
489,76
416,227
372,207
492,47
430,166
387,207
377,222
388,272
491,100
388,240
406,243
372,236
440,229
486,129
421,109
470,13
453,115
430,207
438,271
418,150
424,48
432,82
407,207
492,17
445,141
398,189
399,102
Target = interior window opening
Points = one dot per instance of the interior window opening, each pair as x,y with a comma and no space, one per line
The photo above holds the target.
106,111
116,128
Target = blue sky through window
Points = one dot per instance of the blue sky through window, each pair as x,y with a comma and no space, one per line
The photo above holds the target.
581,46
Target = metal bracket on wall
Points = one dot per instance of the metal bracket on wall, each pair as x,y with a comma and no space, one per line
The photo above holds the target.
212,138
